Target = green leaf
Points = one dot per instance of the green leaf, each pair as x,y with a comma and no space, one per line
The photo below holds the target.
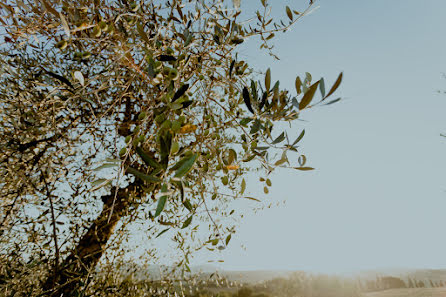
282,160
295,103
268,79
165,145
144,177
247,99
147,159
166,58
189,39
161,202
245,121
99,183
188,103
298,85
176,106
254,91
308,96
57,76
140,29
186,165
252,198
279,139
289,13
231,67
304,87
228,239
263,101
243,187
187,222
255,126
335,86
249,158
275,94
304,168
299,137
151,70
162,232
187,204
308,77
181,91
179,184
180,163
322,87
232,156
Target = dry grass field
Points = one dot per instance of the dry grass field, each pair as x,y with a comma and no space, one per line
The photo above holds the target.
422,292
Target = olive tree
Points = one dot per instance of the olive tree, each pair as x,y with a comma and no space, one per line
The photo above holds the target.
118,112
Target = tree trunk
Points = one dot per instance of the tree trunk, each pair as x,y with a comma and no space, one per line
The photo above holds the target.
91,247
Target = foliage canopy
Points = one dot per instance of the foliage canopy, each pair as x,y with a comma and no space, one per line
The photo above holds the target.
118,112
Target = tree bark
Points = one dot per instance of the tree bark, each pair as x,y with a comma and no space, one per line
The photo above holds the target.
91,247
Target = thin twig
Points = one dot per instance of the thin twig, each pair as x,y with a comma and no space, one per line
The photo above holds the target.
53,223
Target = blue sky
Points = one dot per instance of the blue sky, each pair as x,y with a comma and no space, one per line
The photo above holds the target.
378,196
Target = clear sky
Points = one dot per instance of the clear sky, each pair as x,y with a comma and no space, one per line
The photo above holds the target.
378,196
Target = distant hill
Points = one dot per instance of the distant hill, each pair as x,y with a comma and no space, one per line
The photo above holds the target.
428,292
419,274
257,276
205,271
428,274
263,275
254,276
